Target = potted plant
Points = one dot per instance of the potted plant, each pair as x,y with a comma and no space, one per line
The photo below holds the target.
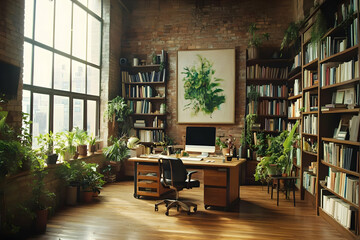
65,145
249,136
81,139
132,144
226,146
291,35
46,146
71,172
262,145
92,144
116,153
118,111
91,180
255,41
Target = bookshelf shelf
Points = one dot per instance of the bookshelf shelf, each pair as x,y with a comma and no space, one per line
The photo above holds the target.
311,65
341,169
149,114
294,118
309,135
345,142
311,87
149,128
322,184
269,61
309,172
272,116
312,112
310,153
271,98
355,110
295,97
341,56
146,98
144,83
295,73
266,80
341,84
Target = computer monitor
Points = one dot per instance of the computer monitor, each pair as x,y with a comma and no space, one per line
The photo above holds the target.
200,139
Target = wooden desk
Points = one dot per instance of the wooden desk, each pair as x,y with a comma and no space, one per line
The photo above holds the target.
221,179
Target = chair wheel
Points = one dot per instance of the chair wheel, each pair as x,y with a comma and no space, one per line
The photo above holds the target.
195,209
156,208
206,206
167,213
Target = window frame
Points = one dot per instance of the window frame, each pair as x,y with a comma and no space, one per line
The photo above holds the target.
51,92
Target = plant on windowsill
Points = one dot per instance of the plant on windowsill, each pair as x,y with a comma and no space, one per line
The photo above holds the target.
255,41
92,144
81,138
46,145
65,145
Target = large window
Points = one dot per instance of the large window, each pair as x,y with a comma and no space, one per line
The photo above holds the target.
62,64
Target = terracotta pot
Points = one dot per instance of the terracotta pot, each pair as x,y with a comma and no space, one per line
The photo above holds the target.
92,148
71,195
87,196
225,151
82,150
41,220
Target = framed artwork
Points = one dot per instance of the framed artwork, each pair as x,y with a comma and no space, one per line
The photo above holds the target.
206,86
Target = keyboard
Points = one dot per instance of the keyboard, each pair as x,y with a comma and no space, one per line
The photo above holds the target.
191,158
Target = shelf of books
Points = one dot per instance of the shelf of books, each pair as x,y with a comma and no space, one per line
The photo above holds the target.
338,118
144,88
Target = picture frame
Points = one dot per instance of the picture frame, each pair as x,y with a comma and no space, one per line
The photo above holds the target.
339,97
216,105
349,96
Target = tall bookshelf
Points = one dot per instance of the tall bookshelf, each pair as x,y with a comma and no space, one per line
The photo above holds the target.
268,77
144,88
330,85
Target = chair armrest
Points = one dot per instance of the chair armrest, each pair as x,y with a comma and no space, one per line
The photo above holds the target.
189,176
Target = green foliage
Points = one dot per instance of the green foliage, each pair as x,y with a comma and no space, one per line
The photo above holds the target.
221,144
92,140
117,152
319,28
46,143
253,95
80,137
262,144
132,142
256,40
118,110
70,172
200,89
91,179
249,137
291,33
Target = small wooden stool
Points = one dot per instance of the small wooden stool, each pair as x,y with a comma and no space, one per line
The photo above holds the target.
291,180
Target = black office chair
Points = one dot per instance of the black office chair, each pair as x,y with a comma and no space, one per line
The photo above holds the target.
173,175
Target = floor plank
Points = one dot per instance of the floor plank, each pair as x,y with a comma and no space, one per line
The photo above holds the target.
116,214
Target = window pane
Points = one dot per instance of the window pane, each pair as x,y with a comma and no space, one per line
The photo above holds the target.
40,115
83,2
95,6
78,113
63,25
26,102
79,33
44,21
61,73
94,37
29,16
42,67
61,114
91,118
27,63
78,77
93,80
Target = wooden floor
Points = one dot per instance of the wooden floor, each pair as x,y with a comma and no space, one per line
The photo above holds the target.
116,214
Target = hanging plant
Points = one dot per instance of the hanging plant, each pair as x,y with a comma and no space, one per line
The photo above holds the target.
319,28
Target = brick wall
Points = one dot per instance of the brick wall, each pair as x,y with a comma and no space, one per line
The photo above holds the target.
212,24
11,50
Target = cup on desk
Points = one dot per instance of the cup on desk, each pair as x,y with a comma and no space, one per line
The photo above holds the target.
228,158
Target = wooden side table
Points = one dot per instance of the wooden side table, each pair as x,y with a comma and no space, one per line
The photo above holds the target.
291,180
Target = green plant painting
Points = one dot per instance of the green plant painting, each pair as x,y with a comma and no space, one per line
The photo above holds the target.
202,88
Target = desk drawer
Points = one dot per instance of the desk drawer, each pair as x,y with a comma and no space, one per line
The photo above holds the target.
215,177
215,196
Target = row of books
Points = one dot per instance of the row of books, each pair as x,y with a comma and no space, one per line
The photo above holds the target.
158,122
143,106
310,102
257,71
291,124
272,107
140,91
252,107
139,123
270,90
336,72
341,155
338,209
297,61
143,77
310,78
310,124
311,52
345,185
332,45
275,124
348,128
297,87
309,181
294,108
151,135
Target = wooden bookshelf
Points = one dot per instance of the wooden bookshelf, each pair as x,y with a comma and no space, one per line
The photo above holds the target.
345,142
341,84
295,97
356,174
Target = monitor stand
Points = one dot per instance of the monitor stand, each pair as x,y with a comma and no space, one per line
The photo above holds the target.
204,155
